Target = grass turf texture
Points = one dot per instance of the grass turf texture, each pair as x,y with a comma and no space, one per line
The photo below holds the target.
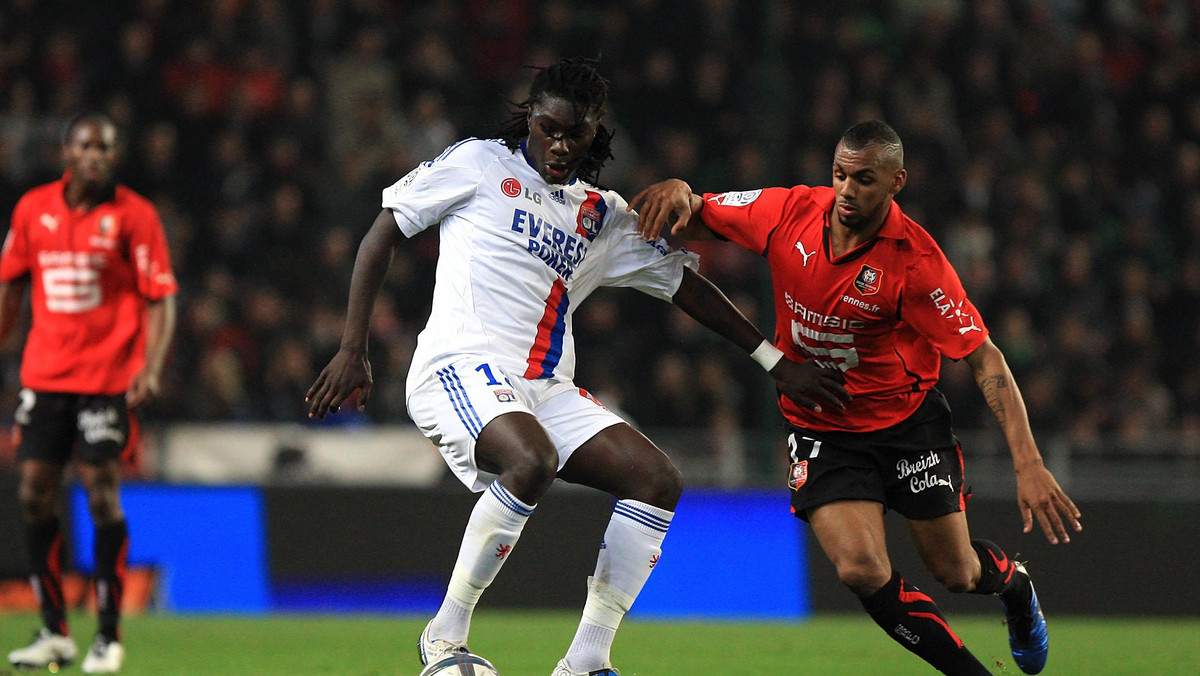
529,644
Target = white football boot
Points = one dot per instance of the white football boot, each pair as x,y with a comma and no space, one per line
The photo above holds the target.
104,657
564,669
433,650
47,648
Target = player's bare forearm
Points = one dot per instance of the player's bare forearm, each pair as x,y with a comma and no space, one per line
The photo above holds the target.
705,303
805,383
1003,397
350,371
1039,495
160,331
370,268
11,296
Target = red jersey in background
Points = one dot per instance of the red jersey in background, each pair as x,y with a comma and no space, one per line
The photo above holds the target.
883,313
91,273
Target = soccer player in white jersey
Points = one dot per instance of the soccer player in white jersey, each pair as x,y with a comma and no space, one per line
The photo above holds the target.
525,236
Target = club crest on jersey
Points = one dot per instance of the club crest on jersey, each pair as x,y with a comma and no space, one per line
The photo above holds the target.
867,281
591,216
505,396
108,225
511,187
798,475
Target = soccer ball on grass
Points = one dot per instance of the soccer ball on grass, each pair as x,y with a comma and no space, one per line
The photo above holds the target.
461,664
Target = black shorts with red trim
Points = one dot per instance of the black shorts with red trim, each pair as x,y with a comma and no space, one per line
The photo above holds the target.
914,467
53,425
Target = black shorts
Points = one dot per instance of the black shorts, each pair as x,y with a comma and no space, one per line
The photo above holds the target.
914,467
53,424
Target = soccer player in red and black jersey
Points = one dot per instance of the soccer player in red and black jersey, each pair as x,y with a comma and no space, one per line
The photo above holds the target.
94,258
862,289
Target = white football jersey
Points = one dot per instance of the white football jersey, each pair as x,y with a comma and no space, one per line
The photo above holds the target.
518,255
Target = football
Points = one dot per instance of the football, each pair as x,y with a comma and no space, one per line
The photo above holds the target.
461,664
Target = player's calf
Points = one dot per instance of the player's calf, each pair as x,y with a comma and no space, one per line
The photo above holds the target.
914,621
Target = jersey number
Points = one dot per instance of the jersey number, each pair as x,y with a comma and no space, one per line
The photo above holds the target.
796,452
71,290
486,370
827,356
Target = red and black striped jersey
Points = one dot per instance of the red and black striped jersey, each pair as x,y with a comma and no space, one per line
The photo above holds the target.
884,313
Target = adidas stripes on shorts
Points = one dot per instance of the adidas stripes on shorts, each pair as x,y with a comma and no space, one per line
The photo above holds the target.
463,394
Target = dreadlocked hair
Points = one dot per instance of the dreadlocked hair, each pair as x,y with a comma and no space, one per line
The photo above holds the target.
575,80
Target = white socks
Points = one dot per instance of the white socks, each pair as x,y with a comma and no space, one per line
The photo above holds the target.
492,530
630,550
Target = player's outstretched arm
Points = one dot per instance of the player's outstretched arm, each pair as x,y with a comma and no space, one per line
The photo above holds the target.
349,370
670,203
160,331
1039,496
803,382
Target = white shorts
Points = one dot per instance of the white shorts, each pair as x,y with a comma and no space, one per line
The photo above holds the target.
465,393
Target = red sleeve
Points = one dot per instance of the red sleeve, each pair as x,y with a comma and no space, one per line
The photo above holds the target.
152,260
936,305
14,259
745,217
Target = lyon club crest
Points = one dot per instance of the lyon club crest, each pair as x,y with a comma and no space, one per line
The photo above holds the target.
591,216
867,281
798,475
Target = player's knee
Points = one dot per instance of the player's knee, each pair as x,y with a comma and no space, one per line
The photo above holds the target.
664,485
104,505
652,479
863,576
956,579
531,476
37,501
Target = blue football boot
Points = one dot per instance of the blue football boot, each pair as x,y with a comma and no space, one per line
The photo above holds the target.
1027,636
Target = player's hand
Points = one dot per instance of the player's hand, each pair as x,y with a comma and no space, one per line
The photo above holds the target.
1041,498
668,203
144,387
811,385
346,373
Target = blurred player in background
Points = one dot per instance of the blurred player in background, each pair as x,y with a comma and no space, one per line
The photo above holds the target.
525,236
863,290
94,258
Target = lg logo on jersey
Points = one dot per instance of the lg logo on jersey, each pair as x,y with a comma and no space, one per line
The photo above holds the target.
511,187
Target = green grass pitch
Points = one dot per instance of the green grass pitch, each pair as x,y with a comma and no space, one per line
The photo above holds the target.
529,644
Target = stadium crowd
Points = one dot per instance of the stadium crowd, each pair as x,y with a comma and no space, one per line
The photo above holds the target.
1057,144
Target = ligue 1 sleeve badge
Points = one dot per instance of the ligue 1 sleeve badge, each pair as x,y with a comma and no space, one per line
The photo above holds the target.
798,475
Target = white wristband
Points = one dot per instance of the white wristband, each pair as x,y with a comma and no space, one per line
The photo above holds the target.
767,355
